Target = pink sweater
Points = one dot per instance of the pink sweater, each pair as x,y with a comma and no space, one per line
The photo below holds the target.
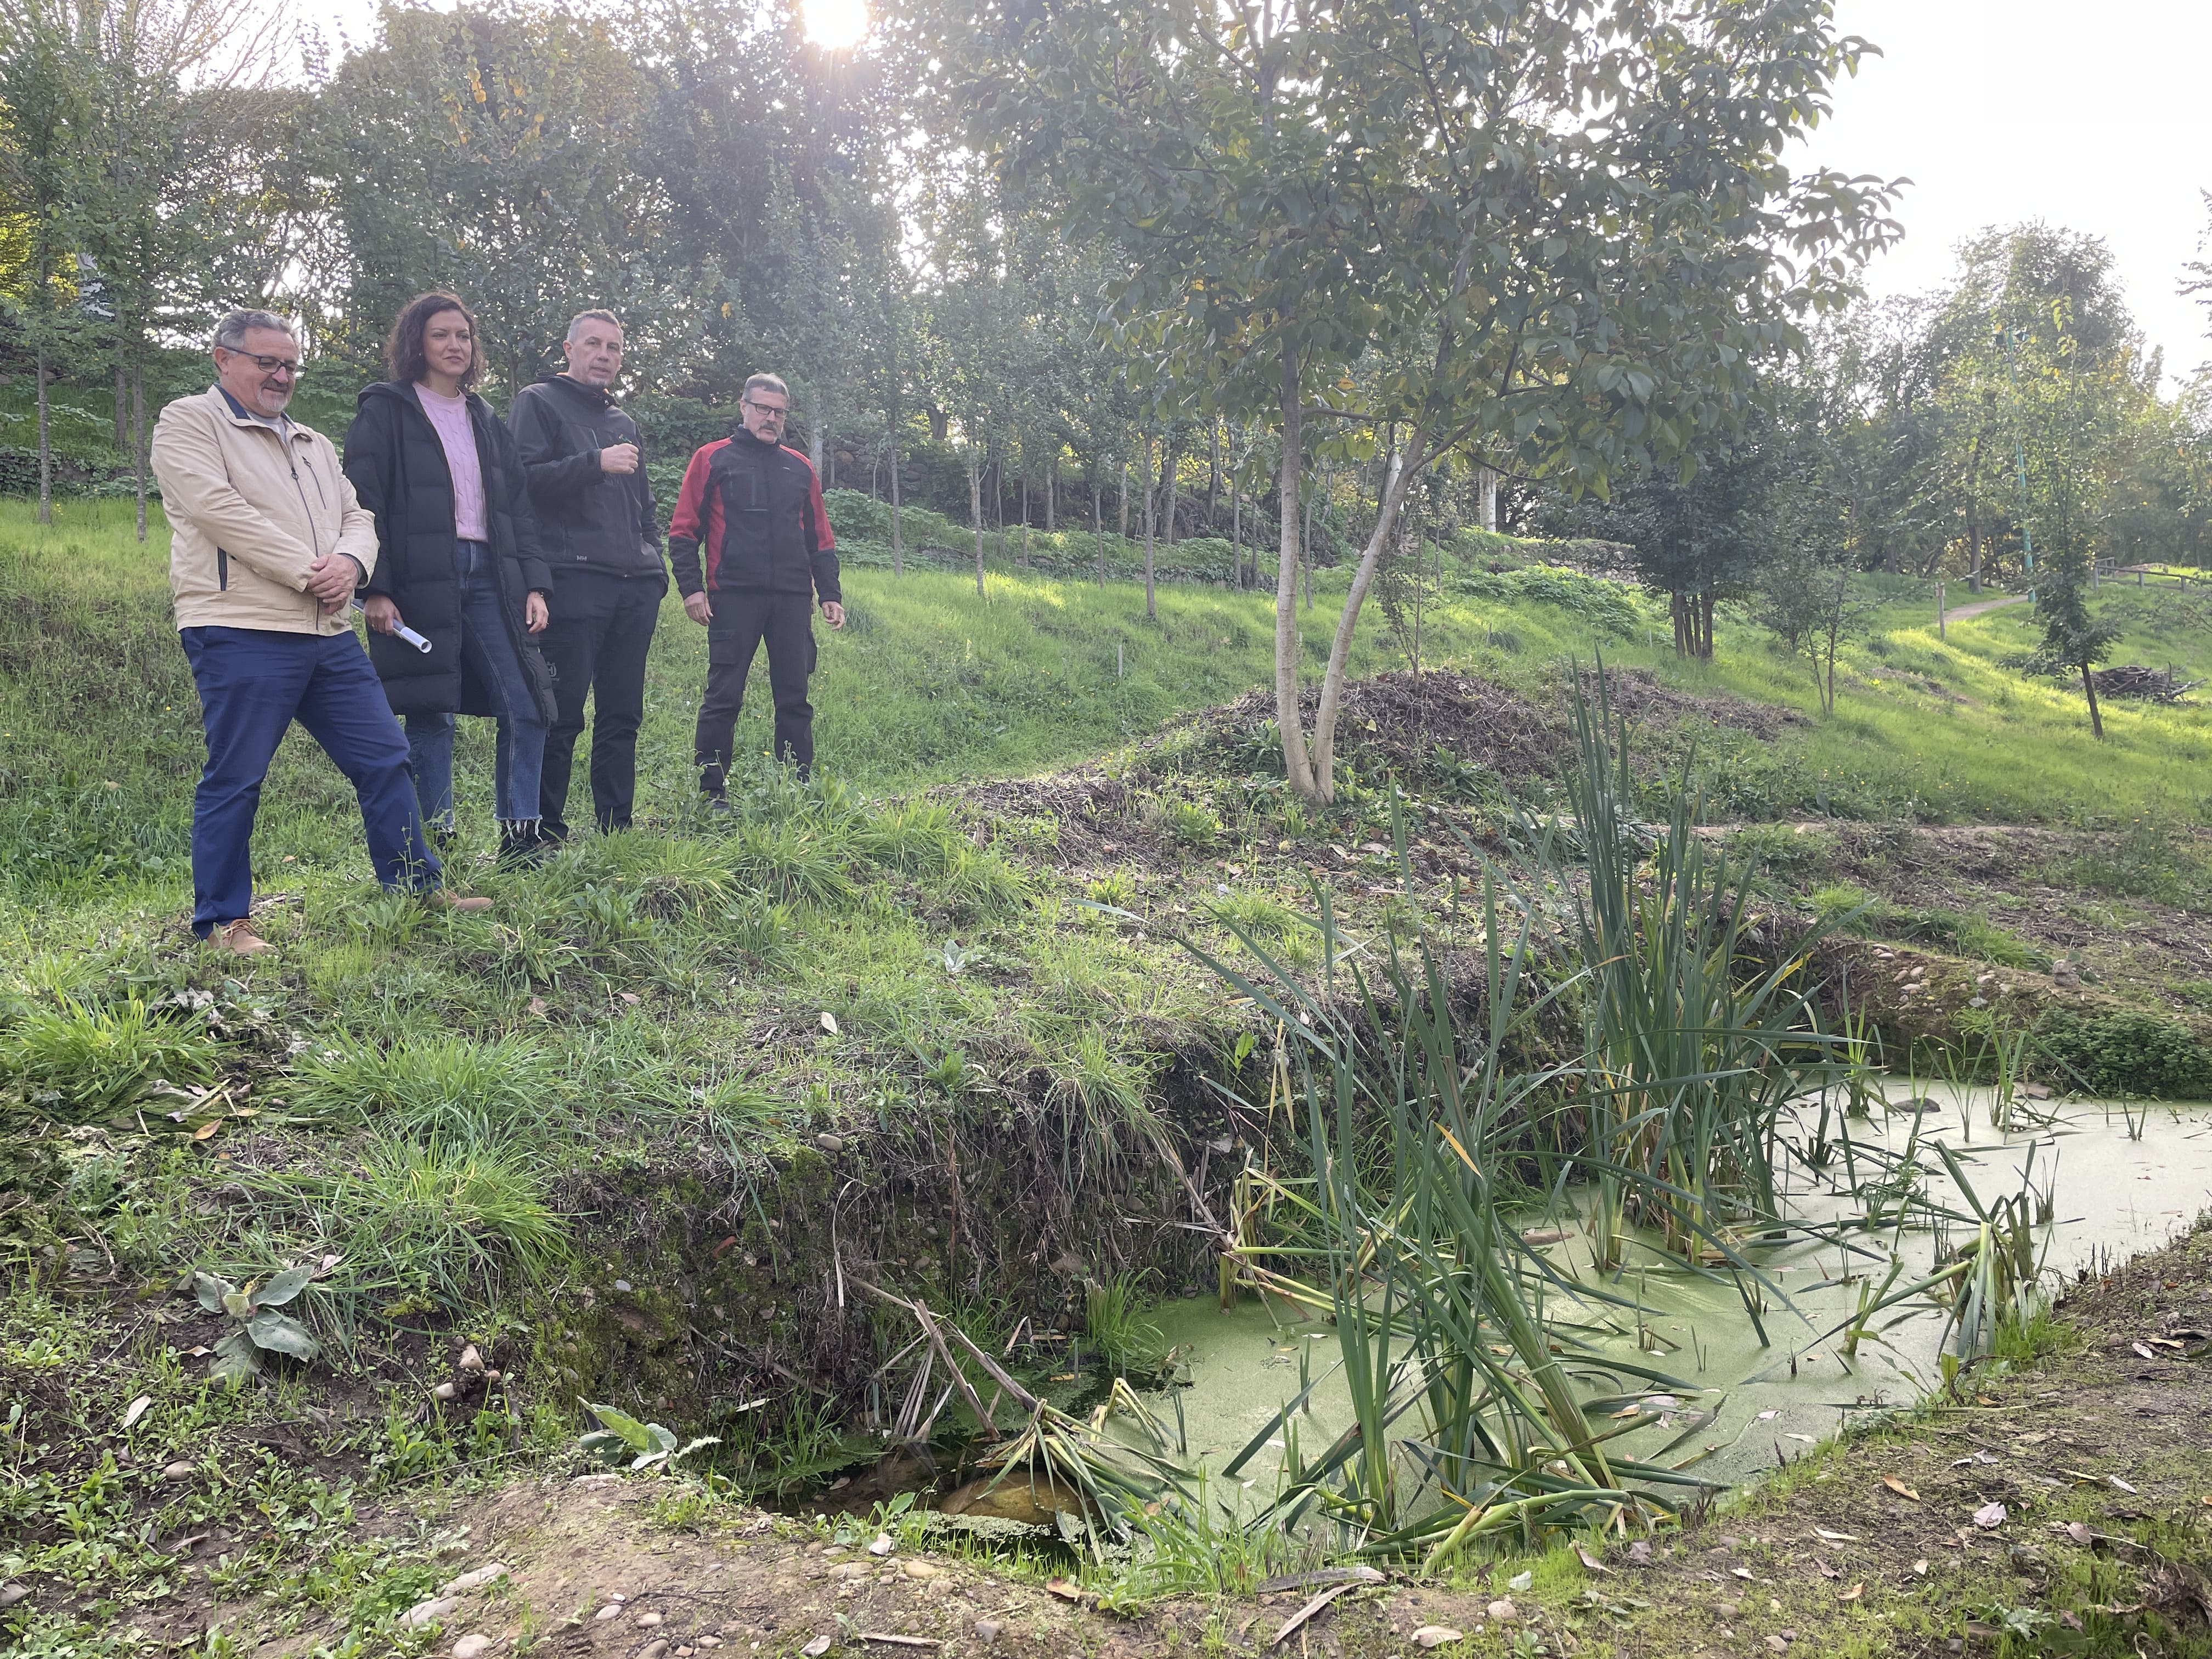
451,417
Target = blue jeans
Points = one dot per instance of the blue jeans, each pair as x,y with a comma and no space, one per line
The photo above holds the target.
520,754
253,682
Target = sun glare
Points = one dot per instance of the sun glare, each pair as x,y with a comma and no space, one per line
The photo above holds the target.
836,24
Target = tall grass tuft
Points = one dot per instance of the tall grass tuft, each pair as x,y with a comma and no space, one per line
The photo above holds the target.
466,1092
77,1063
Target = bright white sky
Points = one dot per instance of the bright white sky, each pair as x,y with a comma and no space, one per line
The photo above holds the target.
2087,114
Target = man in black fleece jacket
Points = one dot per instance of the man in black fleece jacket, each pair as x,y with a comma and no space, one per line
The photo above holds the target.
603,543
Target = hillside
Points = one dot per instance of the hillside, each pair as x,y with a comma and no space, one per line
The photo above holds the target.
928,1018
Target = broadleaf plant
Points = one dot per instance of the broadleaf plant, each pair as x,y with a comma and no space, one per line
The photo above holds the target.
261,1327
622,1439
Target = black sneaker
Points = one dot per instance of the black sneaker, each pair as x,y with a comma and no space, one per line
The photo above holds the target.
719,804
523,846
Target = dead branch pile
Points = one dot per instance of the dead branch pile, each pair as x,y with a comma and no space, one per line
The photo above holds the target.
2134,680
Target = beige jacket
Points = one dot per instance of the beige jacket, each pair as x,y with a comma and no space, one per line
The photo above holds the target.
247,520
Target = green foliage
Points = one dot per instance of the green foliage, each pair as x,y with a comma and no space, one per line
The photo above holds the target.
261,1327
1193,824
1607,607
620,1441
1114,1324
77,1063
449,1087
2128,1052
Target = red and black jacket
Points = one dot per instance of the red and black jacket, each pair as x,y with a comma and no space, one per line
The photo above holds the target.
756,510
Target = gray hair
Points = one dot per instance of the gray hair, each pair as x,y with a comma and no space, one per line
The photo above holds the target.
594,316
768,383
230,333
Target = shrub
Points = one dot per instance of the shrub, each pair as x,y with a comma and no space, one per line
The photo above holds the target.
2128,1053
1196,825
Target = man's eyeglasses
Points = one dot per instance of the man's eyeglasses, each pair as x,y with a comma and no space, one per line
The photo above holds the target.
766,408
291,366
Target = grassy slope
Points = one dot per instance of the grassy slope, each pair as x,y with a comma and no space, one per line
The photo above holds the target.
99,744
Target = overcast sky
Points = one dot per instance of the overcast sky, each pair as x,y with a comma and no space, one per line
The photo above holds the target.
2087,114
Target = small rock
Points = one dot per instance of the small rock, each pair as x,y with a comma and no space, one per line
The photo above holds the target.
444,1391
470,1360
648,1621
1729,1609
428,1613
920,1570
655,1649
882,1545
1501,1611
986,1630
490,1573
1778,1645
621,1284
11,1594
177,1472
1520,1581
472,1646
612,1610
1435,1636
816,1648
829,1143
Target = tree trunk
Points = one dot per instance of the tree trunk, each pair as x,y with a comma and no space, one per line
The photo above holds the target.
122,400
2096,719
1704,628
1025,507
898,549
1051,497
1289,718
1214,480
1125,500
1488,485
1171,494
1098,527
1973,552
976,515
138,434
1152,610
45,448
1237,535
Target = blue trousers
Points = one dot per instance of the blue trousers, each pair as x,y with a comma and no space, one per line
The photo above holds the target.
520,759
253,682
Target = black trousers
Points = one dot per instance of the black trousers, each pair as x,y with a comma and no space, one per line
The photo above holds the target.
741,622
601,629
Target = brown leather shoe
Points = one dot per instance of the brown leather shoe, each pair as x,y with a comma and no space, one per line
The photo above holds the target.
441,898
238,937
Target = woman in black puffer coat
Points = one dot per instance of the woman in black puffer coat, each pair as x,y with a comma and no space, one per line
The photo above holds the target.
458,561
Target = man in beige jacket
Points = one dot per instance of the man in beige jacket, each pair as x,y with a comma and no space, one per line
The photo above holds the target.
267,544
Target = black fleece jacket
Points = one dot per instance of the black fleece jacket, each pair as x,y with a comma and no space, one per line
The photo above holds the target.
587,520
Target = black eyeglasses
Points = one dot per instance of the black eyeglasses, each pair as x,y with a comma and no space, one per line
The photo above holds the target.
766,408
291,366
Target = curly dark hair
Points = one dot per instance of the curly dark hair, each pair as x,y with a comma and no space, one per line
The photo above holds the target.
403,351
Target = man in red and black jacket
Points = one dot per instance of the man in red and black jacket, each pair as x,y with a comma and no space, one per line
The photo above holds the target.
754,509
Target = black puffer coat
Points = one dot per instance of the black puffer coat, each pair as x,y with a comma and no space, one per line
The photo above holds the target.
398,469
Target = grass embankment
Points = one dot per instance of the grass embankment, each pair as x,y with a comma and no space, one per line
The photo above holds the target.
630,1131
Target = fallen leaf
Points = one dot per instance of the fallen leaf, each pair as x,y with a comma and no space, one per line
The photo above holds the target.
1853,1593
2142,1350
829,1022
206,1129
1809,1439
2080,1533
1435,1636
1920,1567
1823,1569
1837,1537
1639,1552
538,1007
1992,1515
818,1647
1590,1560
1899,1487
1768,1416
1063,1589
136,1409
631,998
1740,1572
2120,1484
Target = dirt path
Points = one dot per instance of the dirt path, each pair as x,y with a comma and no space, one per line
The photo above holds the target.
1960,612
2069,1500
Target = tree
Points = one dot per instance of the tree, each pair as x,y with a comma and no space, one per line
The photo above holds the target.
1562,229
